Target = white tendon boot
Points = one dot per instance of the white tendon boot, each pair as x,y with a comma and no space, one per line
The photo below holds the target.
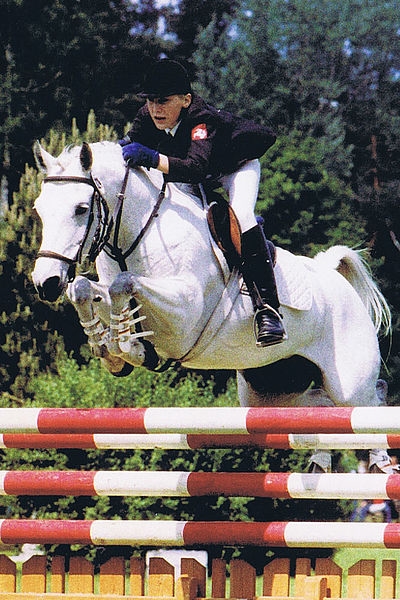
320,462
379,462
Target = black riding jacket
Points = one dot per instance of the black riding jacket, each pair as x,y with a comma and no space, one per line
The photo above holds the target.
207,144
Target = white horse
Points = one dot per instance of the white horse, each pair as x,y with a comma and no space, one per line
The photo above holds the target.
156,248
153,250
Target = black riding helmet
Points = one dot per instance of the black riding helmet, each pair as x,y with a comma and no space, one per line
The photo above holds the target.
165,78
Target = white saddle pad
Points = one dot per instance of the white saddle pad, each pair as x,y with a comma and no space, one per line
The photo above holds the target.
293,280
291,274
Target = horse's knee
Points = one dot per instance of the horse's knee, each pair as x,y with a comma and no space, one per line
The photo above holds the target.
80,291
123,284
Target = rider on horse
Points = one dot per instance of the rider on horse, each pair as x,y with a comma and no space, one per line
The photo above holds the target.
178,133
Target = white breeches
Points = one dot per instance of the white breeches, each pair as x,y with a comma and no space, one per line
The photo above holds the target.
242,189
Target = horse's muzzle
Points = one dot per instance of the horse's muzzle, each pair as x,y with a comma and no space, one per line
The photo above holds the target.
51,289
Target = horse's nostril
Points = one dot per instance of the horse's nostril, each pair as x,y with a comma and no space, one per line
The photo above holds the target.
51,289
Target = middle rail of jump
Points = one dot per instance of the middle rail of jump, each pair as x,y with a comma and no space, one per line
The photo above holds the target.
183,484
217,420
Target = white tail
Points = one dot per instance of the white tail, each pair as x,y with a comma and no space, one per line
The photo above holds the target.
355,269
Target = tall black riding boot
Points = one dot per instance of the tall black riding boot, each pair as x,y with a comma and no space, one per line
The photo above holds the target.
258,274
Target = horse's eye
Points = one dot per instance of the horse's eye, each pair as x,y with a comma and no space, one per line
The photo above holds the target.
81,209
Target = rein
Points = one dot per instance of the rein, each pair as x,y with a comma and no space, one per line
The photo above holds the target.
113,250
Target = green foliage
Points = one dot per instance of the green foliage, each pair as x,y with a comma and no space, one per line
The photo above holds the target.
74,57
232,75
91,385
192,16
305,206
33,333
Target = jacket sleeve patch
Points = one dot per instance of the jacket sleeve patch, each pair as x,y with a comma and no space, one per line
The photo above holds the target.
200,132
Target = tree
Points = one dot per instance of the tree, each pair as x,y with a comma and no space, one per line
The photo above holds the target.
193,16
32,333
324,74
304,195
230,73
60,60
305,206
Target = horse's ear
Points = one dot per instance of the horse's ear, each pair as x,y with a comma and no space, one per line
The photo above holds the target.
86,157
42,158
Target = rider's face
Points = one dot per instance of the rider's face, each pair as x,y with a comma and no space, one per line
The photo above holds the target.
165,111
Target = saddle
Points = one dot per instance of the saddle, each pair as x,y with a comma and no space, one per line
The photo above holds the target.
291,274
225,230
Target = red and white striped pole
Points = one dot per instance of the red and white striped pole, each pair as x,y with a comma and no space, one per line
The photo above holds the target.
183,484
320,534
180,441
202,420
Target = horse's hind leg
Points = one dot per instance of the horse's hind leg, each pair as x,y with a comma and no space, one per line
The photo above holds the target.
81,295
355,383
320,461
379,459
287,383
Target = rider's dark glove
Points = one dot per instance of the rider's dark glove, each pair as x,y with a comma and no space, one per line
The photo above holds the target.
125,141
136,155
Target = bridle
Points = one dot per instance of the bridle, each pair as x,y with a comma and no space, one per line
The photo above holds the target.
102,234
104,226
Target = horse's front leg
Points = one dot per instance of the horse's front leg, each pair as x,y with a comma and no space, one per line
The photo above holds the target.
81,294
126,338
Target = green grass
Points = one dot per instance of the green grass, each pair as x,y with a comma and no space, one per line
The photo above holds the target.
346,557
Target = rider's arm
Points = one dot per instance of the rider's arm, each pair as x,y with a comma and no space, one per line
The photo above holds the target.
193,165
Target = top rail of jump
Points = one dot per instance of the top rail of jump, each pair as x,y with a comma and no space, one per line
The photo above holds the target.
201,420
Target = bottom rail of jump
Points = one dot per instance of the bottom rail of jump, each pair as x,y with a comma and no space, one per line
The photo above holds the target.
165,533
76,578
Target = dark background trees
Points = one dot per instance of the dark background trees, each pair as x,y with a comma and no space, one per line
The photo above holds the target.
60,60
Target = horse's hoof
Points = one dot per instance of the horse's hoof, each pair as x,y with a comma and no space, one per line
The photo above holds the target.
151,357
125,371
380,462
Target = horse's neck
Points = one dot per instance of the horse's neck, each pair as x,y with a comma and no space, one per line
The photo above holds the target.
175,239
